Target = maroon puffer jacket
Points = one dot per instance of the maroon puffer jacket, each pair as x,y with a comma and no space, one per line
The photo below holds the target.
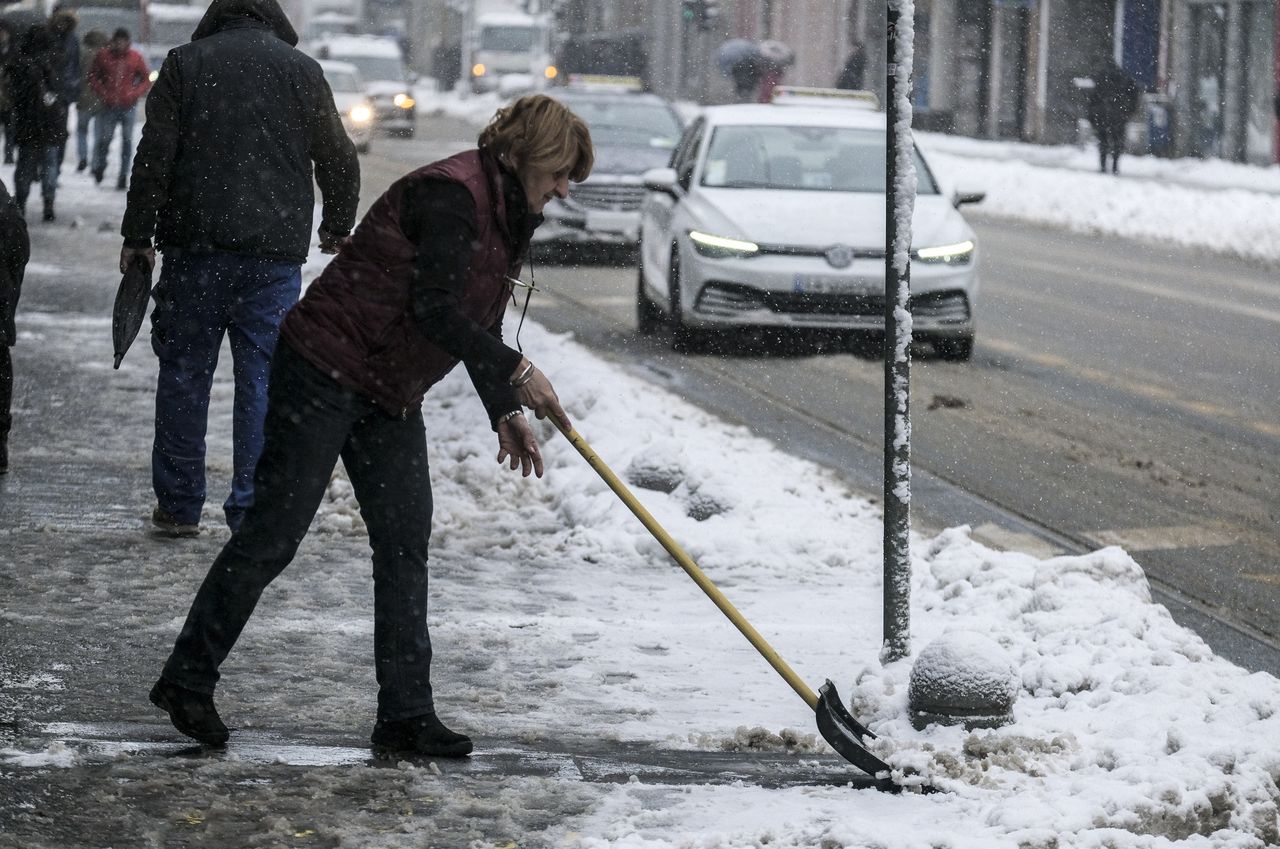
355,321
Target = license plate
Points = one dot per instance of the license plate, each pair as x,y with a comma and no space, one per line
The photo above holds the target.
817,284
611,221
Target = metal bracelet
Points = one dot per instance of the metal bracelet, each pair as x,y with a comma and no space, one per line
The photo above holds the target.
506,417
524,377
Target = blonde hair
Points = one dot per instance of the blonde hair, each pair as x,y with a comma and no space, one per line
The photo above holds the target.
540,133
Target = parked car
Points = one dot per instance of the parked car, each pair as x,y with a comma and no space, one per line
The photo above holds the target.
774,215
632,132
353,103
382,68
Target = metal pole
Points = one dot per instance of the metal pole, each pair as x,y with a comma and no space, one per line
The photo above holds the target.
899,202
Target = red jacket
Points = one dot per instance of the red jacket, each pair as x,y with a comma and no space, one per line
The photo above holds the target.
355,321
119,80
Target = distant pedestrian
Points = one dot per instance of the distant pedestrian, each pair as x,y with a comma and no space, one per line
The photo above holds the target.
8,52
89,104
745,74
854,67
223,181
421,287
15,249
39,117
120,78
1112,103
63,23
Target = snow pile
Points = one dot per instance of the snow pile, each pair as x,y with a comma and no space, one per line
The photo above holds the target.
1128,731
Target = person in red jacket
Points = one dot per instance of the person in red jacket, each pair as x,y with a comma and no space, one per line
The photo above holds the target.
421,285
120,77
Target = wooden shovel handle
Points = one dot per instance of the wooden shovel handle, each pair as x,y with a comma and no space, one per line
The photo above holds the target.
686,562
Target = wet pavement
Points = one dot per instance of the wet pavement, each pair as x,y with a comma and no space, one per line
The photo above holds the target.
91,601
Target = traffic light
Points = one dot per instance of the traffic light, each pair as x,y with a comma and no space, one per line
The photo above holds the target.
691,11
700,13
710,14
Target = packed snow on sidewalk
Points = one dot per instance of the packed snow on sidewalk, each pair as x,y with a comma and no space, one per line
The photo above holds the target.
575,625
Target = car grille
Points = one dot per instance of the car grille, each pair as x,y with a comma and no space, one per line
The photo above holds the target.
615,196
726,299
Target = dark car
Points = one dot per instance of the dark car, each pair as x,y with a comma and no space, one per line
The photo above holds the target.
632,132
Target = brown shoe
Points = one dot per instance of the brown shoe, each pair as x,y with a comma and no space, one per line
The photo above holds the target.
170,526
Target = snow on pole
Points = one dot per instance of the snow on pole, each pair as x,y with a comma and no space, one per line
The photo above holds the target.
900,193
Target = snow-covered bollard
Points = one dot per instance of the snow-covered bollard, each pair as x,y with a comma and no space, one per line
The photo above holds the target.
962,677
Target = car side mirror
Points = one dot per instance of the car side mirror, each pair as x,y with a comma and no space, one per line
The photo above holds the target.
960,198
660,180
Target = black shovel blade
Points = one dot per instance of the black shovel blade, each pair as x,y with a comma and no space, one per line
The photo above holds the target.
845,734
130,307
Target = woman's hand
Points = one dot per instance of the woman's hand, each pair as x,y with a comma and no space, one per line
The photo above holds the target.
517,444
537,393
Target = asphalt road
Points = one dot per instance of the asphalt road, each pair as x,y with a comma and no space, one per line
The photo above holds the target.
1119,394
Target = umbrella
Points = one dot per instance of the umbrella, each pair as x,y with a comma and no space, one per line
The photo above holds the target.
131,306
776,53
734,52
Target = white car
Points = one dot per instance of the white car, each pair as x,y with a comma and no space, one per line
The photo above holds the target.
353,103
387,80
773,215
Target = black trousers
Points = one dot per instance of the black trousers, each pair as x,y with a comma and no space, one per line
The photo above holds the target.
6,388
311,421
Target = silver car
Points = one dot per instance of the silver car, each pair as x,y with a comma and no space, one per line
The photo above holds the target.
631,132
773,215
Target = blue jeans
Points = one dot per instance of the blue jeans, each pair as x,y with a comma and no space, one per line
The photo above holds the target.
311,422
33,160
200,297
107,120
84,120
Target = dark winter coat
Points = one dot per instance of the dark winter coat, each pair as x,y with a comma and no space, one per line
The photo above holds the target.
15,250
1114,98
39,114
356,320
233,124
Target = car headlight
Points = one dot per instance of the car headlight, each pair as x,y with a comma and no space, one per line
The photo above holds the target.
361,114
403,100
954,254
721,247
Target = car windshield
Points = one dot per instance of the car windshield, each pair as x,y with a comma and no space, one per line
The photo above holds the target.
508,39
619,122
376,67
343,81
825,159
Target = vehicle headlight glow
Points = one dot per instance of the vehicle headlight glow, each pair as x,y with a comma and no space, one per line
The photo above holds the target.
721,247
478,69
403,100
551,72
955,254
361,114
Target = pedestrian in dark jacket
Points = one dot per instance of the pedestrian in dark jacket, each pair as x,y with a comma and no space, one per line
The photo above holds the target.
15,250
223,181
63,23
1111,104
8,52
422,285
88,104
854,67
119,76
39,117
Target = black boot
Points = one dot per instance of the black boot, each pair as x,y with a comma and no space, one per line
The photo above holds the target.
190,712
81,166
48,211
421,735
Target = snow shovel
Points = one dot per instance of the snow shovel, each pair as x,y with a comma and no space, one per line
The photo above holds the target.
835,723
